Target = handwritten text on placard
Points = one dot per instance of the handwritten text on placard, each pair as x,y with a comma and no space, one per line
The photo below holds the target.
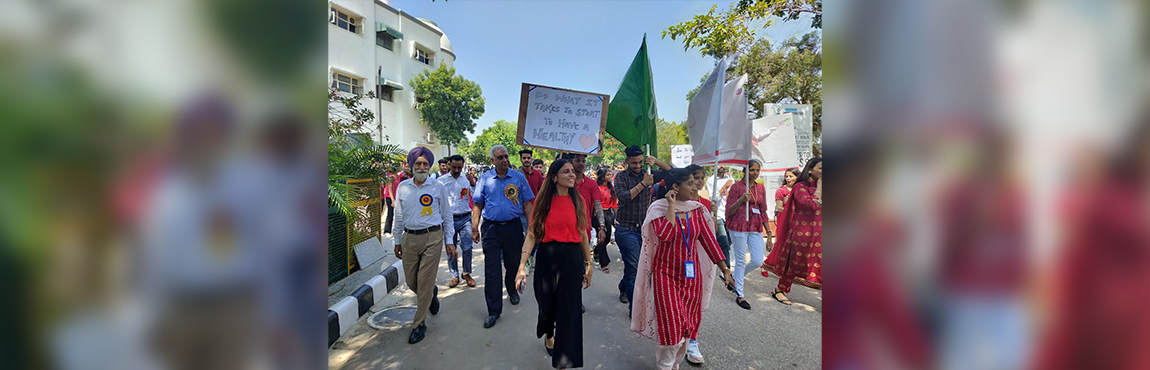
559,119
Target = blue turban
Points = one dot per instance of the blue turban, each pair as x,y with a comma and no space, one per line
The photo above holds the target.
417,152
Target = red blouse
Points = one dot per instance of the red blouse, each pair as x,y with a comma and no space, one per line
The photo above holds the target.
757,201
561,226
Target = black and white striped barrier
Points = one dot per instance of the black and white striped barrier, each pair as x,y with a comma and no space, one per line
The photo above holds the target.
344,313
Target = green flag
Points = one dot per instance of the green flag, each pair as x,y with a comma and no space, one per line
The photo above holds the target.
631,115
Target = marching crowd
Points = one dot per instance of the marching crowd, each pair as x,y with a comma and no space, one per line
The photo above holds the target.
556,221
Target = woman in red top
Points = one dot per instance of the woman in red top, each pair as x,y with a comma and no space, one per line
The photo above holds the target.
609,203
673,283
746,214
557,222
784,189
798,252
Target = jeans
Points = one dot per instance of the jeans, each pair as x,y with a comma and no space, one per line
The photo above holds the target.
741,241
724,241
462,245
630,243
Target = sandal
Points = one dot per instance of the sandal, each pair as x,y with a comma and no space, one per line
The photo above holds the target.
605,269
783,300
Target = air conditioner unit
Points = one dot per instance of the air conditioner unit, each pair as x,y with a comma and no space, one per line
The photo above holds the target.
431,138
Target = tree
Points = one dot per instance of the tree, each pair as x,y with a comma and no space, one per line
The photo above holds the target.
790,72
612,153
730,32
448,103
352,154
502,132
670,133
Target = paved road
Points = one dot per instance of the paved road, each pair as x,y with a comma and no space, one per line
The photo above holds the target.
769,336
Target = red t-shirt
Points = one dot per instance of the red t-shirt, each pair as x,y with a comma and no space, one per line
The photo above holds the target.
591,195
609,201
561,225
534,180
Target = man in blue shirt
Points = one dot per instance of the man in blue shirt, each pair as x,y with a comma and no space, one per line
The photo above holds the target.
501,197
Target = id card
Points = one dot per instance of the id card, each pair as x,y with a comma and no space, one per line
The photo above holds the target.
690,269
755,210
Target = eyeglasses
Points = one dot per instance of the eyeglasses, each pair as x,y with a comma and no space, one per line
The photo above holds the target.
501,157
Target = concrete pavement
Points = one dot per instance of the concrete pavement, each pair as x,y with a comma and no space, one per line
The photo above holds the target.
769,336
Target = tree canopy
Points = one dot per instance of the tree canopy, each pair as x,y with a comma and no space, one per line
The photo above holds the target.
448,103
732,31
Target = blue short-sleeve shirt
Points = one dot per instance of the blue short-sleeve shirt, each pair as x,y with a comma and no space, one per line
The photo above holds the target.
502,198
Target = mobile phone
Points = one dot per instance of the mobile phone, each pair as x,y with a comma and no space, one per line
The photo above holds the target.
522,286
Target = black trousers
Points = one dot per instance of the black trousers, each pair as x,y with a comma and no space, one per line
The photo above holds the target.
501,243
558,280
390,216
601,247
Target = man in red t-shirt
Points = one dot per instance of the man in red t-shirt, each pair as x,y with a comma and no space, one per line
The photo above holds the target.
534,178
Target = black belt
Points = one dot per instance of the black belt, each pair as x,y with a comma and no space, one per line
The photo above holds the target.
500,223
423,231
458,215
632,226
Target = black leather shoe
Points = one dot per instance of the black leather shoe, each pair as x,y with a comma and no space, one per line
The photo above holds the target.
622,297
417,333
490,321
743,303
515,299
584,308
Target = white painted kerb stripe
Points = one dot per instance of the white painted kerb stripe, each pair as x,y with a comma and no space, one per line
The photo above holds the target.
348,311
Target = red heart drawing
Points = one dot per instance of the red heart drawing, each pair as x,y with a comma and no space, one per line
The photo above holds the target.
587,141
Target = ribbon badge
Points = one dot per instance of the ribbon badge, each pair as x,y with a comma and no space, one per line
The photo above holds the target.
463,193
425,201
512,193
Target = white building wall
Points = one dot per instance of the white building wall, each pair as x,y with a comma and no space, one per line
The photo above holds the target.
359,56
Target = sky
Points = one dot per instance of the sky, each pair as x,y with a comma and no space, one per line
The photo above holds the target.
580,45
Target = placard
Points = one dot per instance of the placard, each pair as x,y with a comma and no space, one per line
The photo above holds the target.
803,115
681,155
562,119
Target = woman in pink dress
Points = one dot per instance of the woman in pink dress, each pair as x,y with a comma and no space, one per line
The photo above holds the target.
673,283
798,250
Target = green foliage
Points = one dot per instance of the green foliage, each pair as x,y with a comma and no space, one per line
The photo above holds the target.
502,133
352,154
730,32
450,105
790,72
670,133
612,153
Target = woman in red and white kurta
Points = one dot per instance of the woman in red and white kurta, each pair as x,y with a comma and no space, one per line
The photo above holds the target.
673,283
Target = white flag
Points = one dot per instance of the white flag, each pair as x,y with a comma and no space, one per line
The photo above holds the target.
705,112
773,142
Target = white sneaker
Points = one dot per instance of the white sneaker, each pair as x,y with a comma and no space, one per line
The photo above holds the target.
693,355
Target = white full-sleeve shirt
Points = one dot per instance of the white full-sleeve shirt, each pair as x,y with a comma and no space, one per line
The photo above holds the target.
410,212
458,193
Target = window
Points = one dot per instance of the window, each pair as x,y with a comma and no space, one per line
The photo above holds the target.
418,101
423,56
346,83
344,21
384,40
384,92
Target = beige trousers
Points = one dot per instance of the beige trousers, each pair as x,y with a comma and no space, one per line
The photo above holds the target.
669,357
420,263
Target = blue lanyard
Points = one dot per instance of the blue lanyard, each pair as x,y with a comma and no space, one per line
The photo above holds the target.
687,236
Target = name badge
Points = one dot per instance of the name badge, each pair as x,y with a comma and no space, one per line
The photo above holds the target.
690,265
755,211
